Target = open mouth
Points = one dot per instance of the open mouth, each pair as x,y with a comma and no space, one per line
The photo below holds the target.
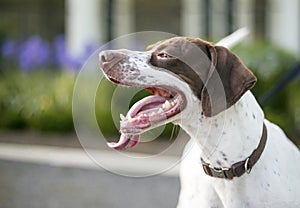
151,111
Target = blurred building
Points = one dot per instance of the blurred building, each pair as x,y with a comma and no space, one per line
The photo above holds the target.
101,20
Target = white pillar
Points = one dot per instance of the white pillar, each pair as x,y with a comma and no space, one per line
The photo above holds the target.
191,24
83,24
124,17
244,14
284,23
218,28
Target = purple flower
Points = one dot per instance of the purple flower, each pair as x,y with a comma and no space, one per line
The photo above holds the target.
89,49
59,54
34,53
63,59
8,49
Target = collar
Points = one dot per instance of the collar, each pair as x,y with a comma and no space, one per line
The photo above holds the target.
238,168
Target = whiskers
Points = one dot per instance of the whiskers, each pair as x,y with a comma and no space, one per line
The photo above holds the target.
174,132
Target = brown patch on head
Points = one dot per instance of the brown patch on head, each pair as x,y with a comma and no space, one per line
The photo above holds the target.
216,76
182,59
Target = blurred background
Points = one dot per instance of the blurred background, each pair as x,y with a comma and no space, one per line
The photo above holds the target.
44,43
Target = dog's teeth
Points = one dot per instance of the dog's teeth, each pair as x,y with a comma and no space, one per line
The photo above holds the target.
160,110
122,117
152,114
166,105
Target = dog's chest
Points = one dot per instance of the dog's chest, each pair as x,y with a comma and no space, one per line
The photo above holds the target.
273,181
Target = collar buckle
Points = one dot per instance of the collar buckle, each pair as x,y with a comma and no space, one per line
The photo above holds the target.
241,167
214,171
246,166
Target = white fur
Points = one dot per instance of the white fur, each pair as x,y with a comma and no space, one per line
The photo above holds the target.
233,134
274,180
222,140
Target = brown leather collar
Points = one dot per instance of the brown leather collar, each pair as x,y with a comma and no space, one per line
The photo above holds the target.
241,167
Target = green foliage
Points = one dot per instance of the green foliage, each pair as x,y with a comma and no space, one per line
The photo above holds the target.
42,100
269,63
37,100
103,109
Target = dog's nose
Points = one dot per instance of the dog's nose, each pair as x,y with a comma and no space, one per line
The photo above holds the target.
106,56
109,58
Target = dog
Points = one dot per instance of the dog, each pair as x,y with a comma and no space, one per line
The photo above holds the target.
236,158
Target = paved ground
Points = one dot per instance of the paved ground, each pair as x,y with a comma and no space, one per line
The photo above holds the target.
31,185
52,170
71,140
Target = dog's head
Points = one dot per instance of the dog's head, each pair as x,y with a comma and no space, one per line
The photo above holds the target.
179,72
209,70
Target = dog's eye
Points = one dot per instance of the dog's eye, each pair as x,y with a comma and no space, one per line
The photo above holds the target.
164,55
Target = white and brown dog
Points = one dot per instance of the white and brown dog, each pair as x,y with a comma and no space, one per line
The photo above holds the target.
241,159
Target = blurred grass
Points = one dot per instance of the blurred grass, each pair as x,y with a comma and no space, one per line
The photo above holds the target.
103,109
39,100
42,100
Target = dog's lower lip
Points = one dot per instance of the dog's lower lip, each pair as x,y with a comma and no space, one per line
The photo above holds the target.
114,80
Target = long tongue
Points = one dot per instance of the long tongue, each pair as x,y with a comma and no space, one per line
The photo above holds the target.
125,142
135,119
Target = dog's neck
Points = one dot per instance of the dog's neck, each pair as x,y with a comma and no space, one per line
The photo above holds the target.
230,136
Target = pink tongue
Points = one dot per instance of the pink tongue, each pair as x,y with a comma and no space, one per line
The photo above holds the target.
130,140
125,142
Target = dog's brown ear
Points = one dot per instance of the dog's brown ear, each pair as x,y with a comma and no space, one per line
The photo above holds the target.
227,81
